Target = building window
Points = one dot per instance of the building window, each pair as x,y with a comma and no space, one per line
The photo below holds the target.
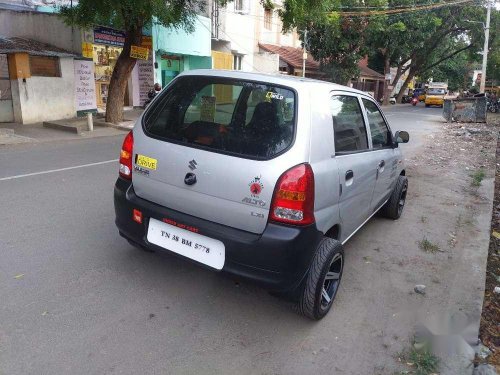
237,62
240,6
268,17
45,66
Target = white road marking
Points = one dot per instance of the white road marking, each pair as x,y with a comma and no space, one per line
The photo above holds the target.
58,170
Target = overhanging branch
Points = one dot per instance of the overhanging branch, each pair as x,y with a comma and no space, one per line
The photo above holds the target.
444,58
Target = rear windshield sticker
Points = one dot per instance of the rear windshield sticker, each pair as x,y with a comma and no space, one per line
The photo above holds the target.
273,95
207,110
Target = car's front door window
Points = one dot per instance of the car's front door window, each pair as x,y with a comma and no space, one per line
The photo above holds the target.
380,133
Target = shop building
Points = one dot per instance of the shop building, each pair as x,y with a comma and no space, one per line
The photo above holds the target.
171,52
176,50
37,81
103,45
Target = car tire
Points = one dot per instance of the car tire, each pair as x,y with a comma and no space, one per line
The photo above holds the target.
137,246
394,206
427,106
322,281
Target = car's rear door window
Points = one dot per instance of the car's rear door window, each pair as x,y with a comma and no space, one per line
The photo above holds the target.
348,124
249,119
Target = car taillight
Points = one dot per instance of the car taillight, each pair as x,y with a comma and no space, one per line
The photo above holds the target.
293,199
126,156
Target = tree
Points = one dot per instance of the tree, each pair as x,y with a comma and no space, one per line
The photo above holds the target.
131,16
338,43
449,35
413,41
493,67
454,70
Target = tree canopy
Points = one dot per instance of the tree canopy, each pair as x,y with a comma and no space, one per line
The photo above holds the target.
341,32
493,68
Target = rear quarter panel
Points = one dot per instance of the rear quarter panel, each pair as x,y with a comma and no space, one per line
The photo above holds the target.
322,159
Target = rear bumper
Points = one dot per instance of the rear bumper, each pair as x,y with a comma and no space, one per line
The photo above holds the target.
277,259
434,101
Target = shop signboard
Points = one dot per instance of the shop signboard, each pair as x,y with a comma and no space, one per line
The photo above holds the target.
140,53
87,50
145,69
109,36
85,95
147,41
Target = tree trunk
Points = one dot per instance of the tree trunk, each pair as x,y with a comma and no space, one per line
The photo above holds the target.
387,70
407,81
398,75
120,76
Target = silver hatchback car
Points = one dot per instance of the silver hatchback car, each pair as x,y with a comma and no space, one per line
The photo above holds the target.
260,176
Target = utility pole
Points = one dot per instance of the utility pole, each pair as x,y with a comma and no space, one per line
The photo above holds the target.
485,50
304,54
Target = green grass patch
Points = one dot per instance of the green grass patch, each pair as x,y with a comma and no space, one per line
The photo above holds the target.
428,246
477,177
421,360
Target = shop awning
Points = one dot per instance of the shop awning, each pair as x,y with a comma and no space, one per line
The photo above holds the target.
292,56
32,47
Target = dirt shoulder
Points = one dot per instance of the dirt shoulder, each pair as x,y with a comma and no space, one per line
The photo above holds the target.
489,329
440,242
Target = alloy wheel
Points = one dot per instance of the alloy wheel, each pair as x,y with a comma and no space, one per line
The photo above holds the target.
332,280
402,198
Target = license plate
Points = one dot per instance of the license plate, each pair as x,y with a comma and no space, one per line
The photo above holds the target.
194,246
146,162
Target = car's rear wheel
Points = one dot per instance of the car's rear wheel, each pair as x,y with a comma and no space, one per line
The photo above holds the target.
323,279
396,203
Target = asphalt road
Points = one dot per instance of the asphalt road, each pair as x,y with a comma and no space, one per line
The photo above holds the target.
77,298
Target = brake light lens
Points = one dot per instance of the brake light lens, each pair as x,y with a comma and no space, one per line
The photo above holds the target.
126,156
293,199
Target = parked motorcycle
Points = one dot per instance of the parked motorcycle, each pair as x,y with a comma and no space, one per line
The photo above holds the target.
151,94
493,106
406,99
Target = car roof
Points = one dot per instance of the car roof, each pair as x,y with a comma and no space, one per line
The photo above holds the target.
279,79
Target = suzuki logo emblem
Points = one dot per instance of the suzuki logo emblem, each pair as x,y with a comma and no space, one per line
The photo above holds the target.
192,164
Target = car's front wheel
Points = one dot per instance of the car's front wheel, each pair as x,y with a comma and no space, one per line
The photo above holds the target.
394,206
323,280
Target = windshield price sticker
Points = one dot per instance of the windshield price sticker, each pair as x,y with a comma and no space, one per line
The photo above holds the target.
195,246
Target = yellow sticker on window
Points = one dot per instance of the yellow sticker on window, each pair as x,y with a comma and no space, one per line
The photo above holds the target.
146,162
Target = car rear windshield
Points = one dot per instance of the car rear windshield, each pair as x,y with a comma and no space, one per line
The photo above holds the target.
245,118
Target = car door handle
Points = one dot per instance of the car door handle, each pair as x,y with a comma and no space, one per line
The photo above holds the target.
349,177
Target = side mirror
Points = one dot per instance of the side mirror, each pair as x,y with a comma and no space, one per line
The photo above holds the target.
401,137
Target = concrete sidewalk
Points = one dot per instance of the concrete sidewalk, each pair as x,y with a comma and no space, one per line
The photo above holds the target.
69,129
